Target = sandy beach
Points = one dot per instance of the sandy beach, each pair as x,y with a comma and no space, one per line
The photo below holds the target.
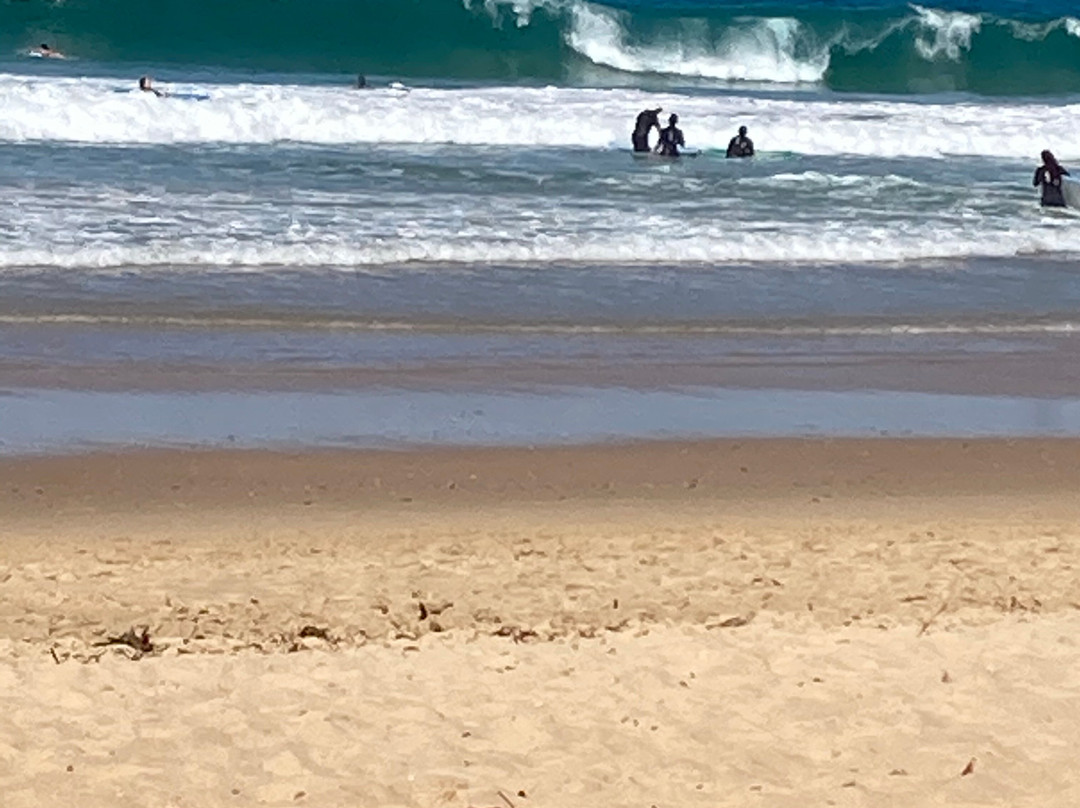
378,429
764,622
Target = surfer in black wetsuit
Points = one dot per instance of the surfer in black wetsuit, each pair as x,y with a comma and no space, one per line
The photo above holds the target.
740,145
646,120
1049,175
671,138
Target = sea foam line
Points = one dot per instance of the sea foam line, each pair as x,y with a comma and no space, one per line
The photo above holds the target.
841,243
333,323
92,111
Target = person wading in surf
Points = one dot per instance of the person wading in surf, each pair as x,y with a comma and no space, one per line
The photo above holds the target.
1049,175
646,120
740,145
671,138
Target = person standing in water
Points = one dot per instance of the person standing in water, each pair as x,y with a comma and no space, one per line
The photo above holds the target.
1049,175
646,120
671,138
740,145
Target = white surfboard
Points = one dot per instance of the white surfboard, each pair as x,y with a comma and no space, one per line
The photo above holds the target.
1070,189
651,155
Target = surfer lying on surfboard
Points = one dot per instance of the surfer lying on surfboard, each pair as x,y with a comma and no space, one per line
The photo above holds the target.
1049,175
146,84
45,52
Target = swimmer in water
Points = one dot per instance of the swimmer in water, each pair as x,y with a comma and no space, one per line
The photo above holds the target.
45,52
146,84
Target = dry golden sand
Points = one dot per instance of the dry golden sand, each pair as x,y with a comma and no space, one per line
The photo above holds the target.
775,623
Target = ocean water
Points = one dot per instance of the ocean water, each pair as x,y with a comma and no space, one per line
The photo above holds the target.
470,233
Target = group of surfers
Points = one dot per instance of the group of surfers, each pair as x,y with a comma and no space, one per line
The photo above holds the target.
1048,175
45,51
146,84
671,136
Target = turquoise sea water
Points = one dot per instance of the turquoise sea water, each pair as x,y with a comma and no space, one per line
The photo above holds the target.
989,47
473,224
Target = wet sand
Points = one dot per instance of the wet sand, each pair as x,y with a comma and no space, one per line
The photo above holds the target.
774,622
73,386
1036,365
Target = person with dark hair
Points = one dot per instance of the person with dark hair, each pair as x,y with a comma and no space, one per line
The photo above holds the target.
1049,175
146,84
671,137
45,52
361,82
646,120
740,145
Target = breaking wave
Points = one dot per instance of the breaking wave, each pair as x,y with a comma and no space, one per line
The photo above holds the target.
874,47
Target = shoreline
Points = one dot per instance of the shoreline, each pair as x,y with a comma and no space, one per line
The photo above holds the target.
723,470
789,357
61,422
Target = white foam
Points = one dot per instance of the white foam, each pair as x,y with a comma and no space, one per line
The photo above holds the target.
91,111
794,217
817,178
949,33
1038,31
755,50
521,9
663,240
779,50
751,49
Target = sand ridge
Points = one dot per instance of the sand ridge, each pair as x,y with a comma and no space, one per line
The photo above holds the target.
585,569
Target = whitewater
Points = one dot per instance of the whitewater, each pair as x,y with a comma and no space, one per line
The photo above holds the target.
207,208
107,111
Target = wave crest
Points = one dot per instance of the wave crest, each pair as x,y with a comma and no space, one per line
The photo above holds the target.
949,33
760,50
953,50
866,48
